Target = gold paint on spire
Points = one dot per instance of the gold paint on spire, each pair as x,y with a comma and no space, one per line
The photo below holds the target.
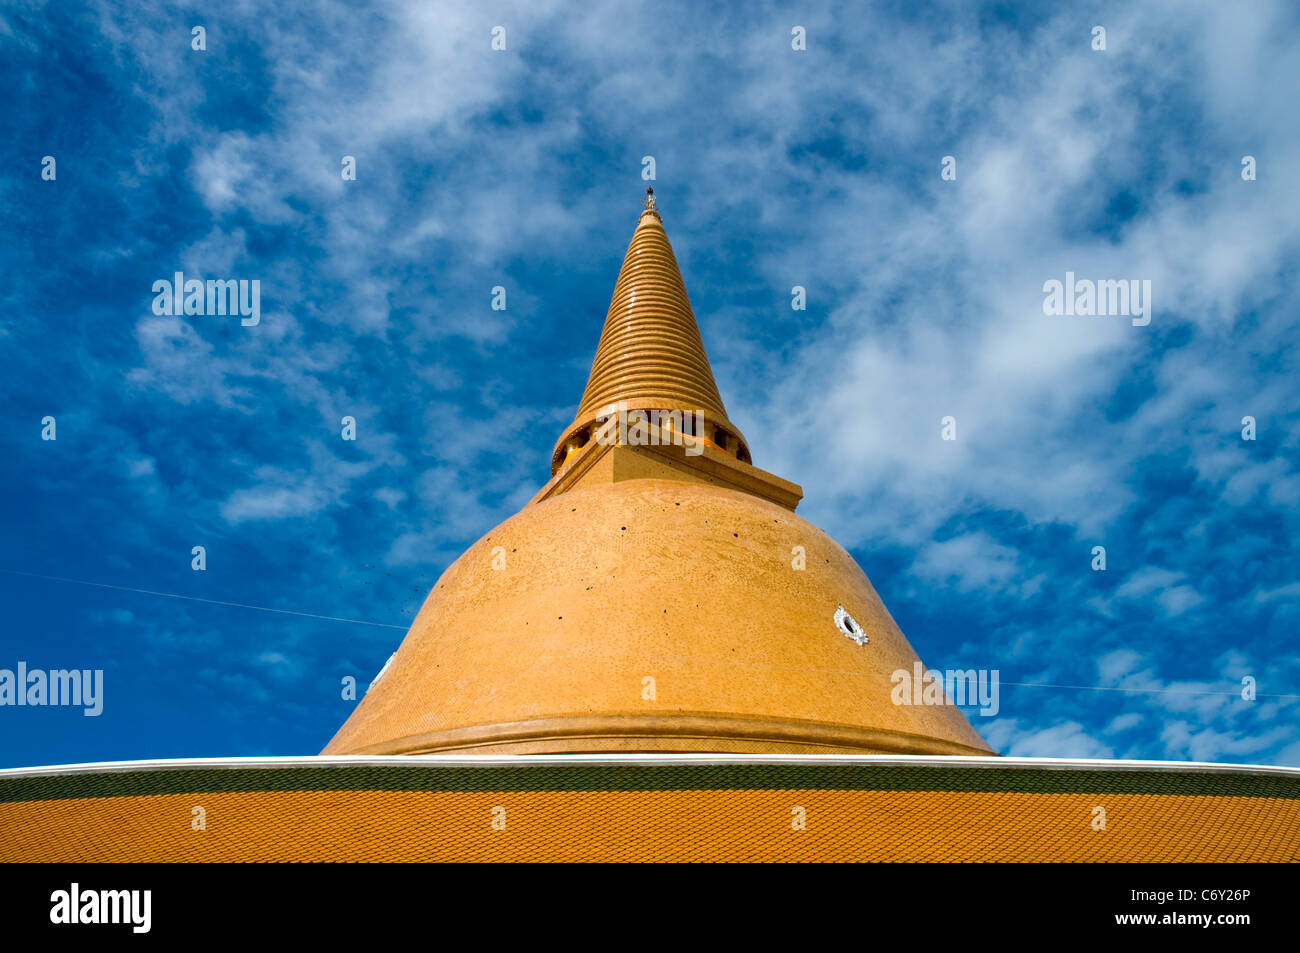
651,355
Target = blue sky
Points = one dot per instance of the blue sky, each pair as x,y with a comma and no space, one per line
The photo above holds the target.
775,168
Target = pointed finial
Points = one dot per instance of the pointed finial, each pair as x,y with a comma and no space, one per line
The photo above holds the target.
648,206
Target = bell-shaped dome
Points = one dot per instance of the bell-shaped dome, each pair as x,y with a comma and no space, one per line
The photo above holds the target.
651,615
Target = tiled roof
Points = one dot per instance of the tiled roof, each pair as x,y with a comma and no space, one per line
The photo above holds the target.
651,808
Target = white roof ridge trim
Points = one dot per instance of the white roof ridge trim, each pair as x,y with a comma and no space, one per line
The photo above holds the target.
703,758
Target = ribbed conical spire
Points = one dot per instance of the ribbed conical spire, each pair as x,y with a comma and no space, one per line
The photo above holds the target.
650,354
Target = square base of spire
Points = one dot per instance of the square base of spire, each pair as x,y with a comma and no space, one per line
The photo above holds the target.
601,463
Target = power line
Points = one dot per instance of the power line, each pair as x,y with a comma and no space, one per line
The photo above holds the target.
1155,691
215,602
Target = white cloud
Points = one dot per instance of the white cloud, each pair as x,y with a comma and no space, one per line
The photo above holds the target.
971,561
1068,739
274,502
1124,722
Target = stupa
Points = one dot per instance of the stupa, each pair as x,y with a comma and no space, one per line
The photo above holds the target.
659,593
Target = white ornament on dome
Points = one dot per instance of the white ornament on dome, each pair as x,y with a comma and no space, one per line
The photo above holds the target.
849,626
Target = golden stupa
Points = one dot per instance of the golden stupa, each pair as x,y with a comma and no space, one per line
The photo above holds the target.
659,592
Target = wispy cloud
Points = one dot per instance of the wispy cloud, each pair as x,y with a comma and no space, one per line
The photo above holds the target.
522,169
